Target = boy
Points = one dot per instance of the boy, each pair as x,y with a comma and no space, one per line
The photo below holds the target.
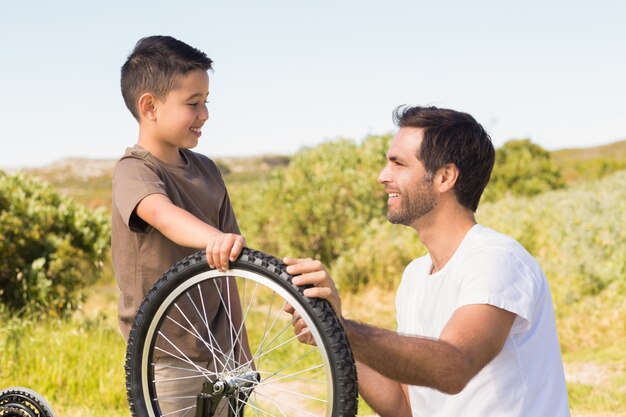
168,201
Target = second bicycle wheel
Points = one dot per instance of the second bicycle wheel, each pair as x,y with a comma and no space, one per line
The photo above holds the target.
203,332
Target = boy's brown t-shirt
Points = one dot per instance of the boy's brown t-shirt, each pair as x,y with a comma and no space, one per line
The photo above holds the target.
141,254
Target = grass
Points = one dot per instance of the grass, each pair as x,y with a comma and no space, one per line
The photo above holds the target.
597,381
78,364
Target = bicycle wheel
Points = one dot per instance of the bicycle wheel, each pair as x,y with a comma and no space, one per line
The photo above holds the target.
200,332
22,402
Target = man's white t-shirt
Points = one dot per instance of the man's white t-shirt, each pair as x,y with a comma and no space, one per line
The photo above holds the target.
526,378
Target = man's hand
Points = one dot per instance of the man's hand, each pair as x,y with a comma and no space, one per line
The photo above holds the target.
300,328
222,248
312,272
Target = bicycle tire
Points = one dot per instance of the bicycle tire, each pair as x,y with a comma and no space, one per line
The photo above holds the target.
28,403
13,412
326,371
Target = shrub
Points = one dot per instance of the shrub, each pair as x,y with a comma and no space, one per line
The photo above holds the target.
522,169
577,234
50,247
319,204
380,259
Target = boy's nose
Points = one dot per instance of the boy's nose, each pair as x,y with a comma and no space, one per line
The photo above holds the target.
204,113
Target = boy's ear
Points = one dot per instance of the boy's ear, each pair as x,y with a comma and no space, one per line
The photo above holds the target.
147,106
446,177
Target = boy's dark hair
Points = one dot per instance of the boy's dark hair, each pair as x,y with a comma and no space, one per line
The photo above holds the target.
155,67
454,137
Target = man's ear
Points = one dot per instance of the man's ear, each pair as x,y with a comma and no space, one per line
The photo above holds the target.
446,177
147,106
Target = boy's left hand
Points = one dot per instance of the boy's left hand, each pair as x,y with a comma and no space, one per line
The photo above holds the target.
222,248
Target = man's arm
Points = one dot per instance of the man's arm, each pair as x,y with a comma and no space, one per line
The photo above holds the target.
185,229
473,336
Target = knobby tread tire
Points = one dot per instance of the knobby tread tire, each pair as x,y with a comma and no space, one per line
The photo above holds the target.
345,395
27,402
13,412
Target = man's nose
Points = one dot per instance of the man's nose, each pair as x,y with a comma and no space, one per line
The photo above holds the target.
383,176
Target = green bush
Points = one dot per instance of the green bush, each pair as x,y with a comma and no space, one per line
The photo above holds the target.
380,259
319,204
577,234
51,247
522,169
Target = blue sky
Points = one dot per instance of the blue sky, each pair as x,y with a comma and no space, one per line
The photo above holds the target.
290,74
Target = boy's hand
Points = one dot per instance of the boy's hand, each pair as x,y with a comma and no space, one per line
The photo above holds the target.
309,271
222,248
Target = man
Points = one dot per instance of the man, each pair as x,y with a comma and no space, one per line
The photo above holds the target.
476,331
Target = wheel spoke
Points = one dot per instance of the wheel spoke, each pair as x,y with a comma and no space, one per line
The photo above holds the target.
215,353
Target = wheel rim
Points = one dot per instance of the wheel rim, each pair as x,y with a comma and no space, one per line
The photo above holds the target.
295,379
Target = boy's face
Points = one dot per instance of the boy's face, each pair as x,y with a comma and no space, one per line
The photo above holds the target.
182,113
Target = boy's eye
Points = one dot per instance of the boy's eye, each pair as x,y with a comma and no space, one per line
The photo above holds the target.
195,104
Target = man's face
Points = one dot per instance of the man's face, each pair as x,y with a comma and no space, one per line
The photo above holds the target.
410,192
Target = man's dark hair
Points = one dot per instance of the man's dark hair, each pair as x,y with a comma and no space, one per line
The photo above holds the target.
155,67
453,137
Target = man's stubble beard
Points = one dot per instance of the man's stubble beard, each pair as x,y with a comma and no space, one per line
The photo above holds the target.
416,203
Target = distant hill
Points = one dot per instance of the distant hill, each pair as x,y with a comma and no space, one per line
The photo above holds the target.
85,169
89,180
238,170
612,149
591,162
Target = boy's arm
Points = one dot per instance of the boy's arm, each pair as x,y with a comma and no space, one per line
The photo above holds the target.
185,229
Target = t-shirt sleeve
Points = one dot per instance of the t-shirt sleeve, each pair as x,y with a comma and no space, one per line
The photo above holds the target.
228,222
133,181
504,281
